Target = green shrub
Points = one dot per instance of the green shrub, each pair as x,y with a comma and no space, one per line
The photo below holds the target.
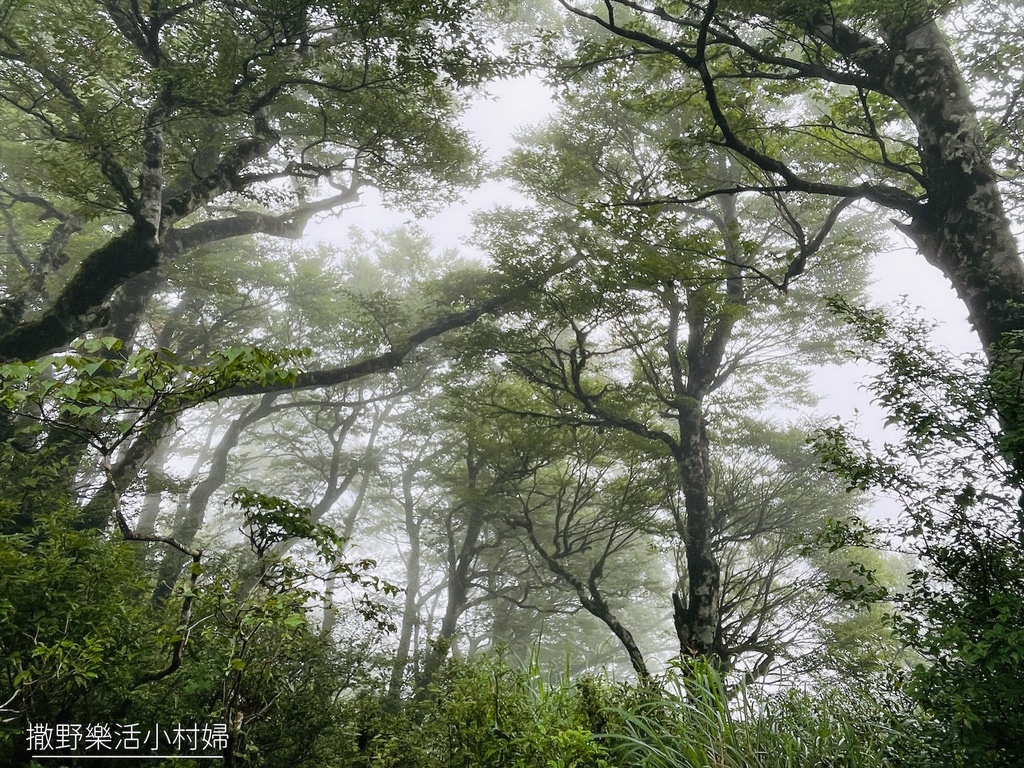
478,714
74,621
958,477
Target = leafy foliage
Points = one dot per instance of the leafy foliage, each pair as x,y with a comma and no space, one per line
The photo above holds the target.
75,630
694,197
697,722
484,713
481,714
94,380
963,608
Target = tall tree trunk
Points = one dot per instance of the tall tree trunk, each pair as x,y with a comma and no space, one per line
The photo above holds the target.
155,480
410,607
457,593
962,228
191,520
460,565
697,619
348,526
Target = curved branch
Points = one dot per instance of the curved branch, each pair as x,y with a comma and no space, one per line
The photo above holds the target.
289,224
395,357
73,311
697,60
223,178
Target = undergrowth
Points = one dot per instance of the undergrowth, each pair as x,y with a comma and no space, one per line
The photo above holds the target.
484,713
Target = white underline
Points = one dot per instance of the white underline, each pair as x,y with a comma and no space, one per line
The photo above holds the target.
69,755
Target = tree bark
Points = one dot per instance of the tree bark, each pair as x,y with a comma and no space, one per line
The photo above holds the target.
697,620
410,607
460,573
962,227
155,479
104,270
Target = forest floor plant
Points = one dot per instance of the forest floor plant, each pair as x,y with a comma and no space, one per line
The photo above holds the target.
695,720
484,712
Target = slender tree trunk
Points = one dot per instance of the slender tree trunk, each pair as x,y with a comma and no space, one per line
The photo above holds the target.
697,620
96,514
348,526
599,609
460,565
590,597
457,592
410,608
191,521
155,480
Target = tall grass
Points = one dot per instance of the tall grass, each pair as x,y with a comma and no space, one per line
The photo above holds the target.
694,722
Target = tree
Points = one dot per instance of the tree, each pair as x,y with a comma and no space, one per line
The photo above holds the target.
443,474
167,128
313,448
581,505
95,647
655,328
885,107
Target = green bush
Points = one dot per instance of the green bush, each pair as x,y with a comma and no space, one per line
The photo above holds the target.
958,476
482,713
74,623
81,642
478,714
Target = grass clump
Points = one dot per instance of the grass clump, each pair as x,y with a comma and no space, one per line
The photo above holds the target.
694,720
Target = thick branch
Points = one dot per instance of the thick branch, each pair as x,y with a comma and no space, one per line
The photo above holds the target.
696,58
589,595
290,224
224,177
135,251
395,357
73,312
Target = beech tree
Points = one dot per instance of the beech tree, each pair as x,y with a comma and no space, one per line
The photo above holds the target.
895,115
677,306
164,128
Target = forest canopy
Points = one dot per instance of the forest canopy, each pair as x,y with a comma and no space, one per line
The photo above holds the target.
565,498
